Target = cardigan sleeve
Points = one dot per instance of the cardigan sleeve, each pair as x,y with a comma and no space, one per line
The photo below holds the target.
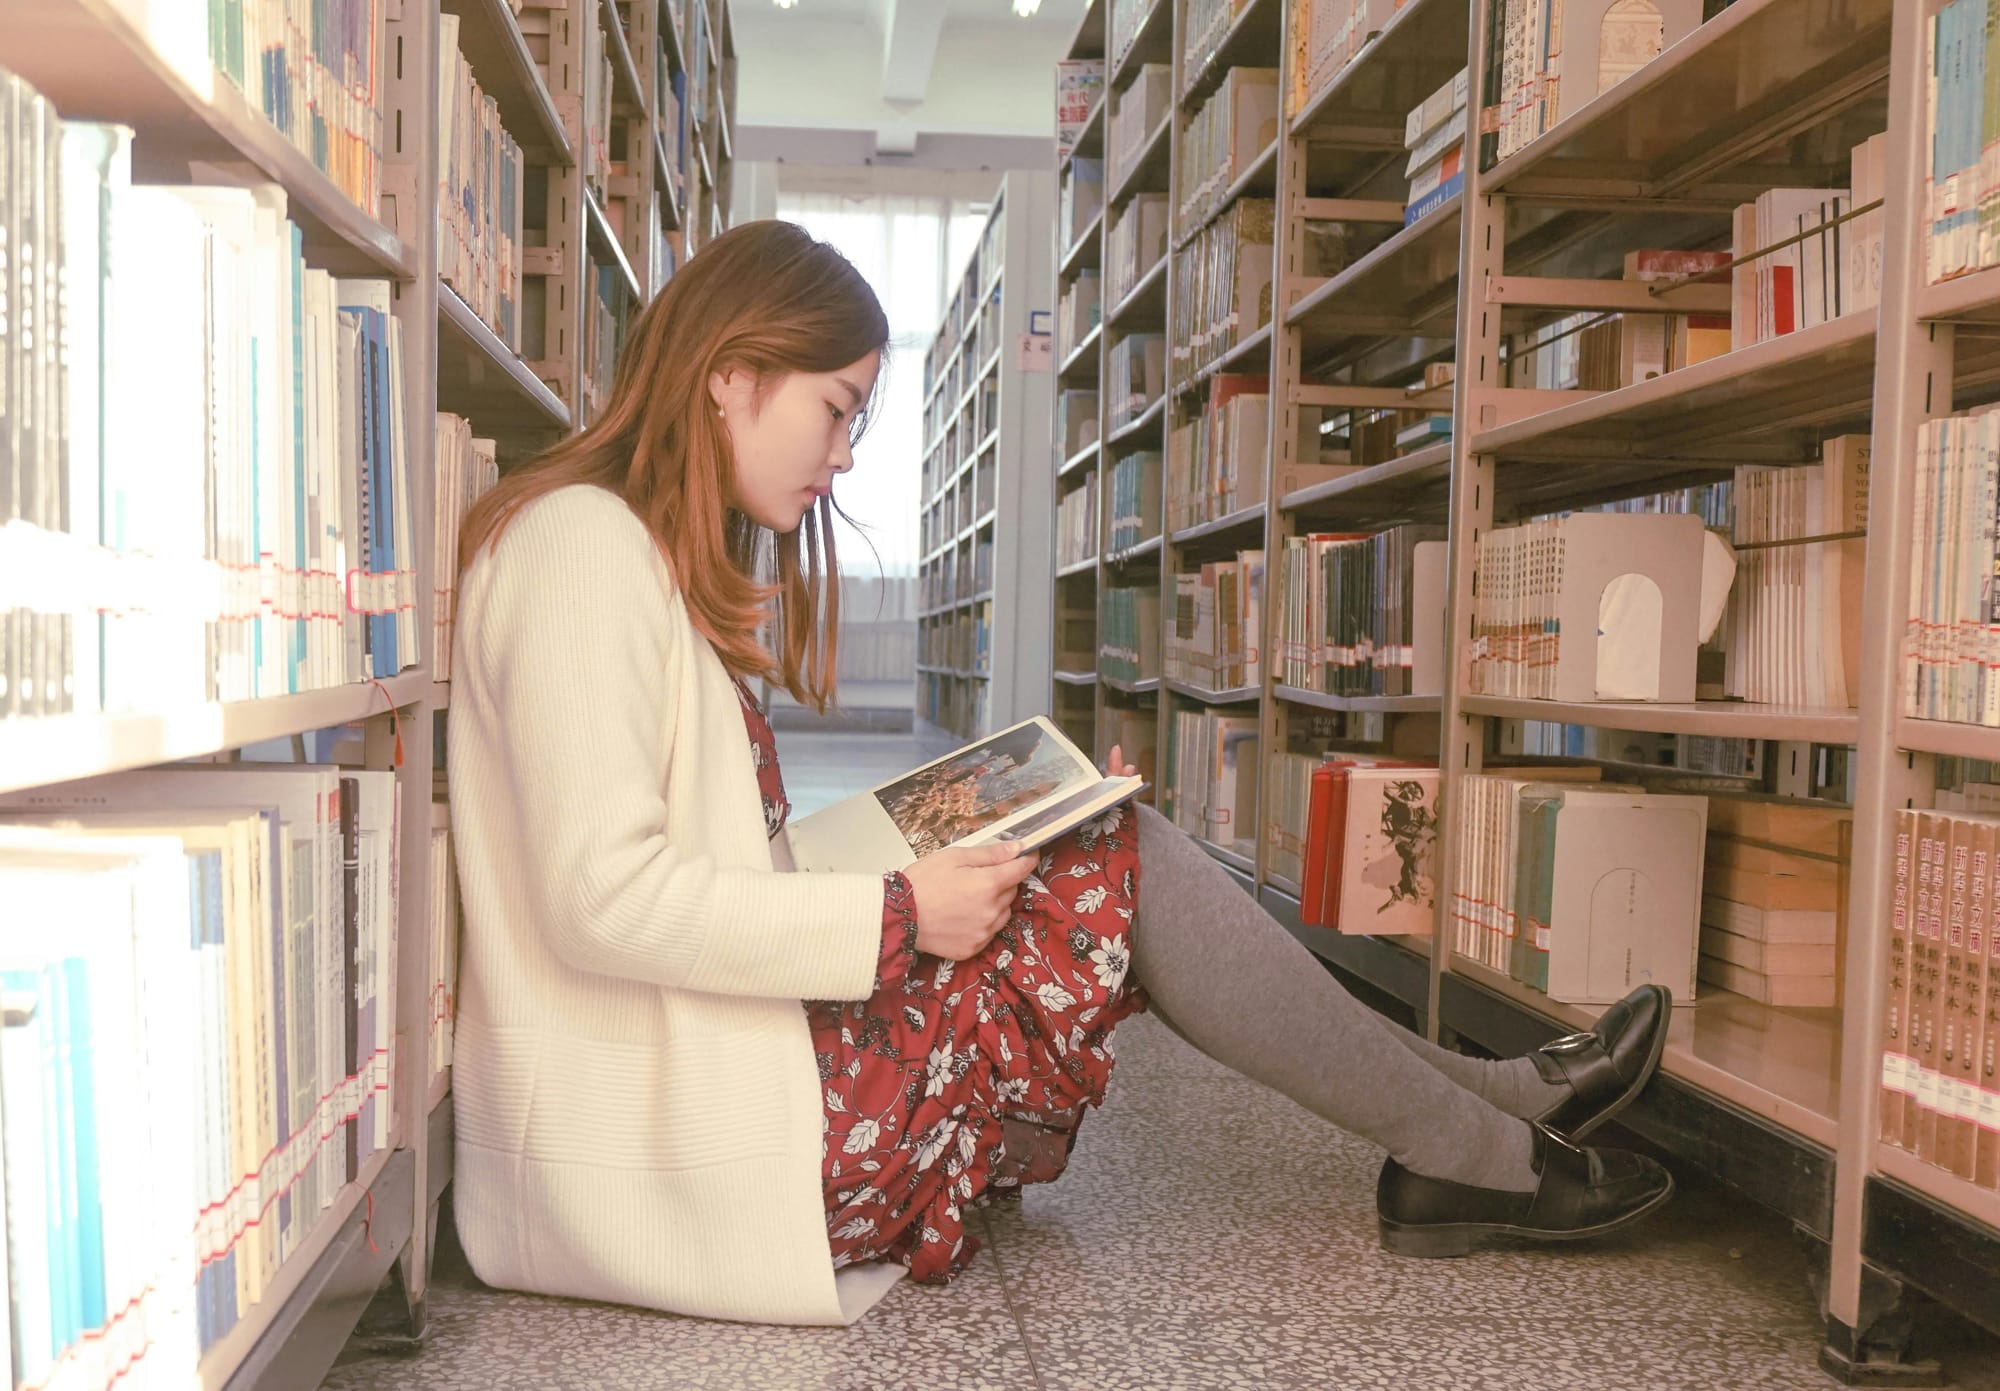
578,646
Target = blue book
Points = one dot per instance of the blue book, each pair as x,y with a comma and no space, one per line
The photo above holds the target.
89,1207
1435,199
27,1068
65,1313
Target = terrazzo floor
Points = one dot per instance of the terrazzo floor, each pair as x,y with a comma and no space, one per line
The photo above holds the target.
1209,1234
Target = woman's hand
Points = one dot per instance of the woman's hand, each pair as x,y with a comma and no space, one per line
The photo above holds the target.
964,895
1116,766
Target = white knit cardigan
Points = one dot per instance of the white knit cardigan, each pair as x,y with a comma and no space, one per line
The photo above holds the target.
638,1107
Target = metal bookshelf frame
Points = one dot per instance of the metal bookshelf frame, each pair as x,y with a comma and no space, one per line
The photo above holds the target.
1781,1104
90,60
1009,446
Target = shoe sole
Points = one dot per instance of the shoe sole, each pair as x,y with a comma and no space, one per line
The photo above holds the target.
1631,1093
1442,1241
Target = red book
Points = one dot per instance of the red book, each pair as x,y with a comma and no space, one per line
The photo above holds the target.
1319,812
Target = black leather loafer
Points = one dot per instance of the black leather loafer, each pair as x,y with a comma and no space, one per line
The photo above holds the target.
1608,1066
1583,1193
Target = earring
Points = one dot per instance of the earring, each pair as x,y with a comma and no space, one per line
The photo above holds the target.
720,411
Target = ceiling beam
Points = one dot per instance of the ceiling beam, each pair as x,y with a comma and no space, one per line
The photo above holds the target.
910,30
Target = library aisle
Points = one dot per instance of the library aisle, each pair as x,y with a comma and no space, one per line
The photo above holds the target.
1208,1234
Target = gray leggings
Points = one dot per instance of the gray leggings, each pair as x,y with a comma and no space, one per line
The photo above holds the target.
1227,977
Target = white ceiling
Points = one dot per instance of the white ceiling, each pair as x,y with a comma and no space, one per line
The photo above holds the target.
909,77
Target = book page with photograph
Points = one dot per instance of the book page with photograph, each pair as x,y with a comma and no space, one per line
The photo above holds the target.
1027,783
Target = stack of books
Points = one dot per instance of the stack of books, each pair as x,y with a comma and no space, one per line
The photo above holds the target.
1434,134
1215,640
1364,615
1773,894
479,235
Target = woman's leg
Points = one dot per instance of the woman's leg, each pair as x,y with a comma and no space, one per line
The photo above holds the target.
1239,987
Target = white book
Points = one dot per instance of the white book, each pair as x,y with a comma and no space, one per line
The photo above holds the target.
1026,784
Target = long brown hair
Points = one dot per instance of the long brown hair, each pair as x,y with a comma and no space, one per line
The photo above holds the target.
764,297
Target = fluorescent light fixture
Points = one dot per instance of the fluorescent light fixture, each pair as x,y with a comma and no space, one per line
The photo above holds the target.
784,4
1025,8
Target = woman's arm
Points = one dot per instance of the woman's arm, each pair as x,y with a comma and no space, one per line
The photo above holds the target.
578,662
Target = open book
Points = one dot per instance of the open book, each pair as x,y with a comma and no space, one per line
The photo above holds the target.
1027,784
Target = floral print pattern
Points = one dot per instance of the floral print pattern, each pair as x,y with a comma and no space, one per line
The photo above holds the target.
957,1081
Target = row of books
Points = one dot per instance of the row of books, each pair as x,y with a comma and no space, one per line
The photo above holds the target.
1579,889
1323,37
1134,243
1076,523
1216,458
465,468
1076,422
962,641
1134,502
1792,631
198,1063
1951,661
445,918
1222,286
1135,377
1127,20
1434,134
1364,615
1774,901
596,103
952,704
1204,25
1625,590
1079,310
1223,141
1545,60
1209,785
1358,835
1962,122
312,67
480,175
186,528
608,317
1941,1021
1136,113
1831,267
1128,632
1215,642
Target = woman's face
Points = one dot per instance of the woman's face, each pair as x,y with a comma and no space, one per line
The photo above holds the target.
791,441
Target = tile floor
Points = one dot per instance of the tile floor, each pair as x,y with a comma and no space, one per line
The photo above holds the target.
1209,1234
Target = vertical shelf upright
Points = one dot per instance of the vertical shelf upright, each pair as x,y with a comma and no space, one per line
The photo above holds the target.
985,577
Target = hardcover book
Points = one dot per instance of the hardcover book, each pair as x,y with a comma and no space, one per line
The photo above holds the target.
1026,784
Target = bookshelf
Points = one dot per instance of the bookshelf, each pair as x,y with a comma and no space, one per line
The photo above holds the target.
663,192
984,577
1760,94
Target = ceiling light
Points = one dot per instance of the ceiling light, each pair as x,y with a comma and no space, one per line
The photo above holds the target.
1025,8
784,4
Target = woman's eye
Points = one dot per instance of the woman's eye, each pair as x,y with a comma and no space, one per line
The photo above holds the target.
838,413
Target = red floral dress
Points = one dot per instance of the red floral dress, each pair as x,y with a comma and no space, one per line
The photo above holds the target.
956,1079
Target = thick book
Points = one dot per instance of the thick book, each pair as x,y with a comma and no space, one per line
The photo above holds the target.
1026,784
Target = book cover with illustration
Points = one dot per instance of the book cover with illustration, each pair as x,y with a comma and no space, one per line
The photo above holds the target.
1027,783
1388,885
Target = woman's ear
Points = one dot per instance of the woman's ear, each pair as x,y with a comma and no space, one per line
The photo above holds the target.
729,389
